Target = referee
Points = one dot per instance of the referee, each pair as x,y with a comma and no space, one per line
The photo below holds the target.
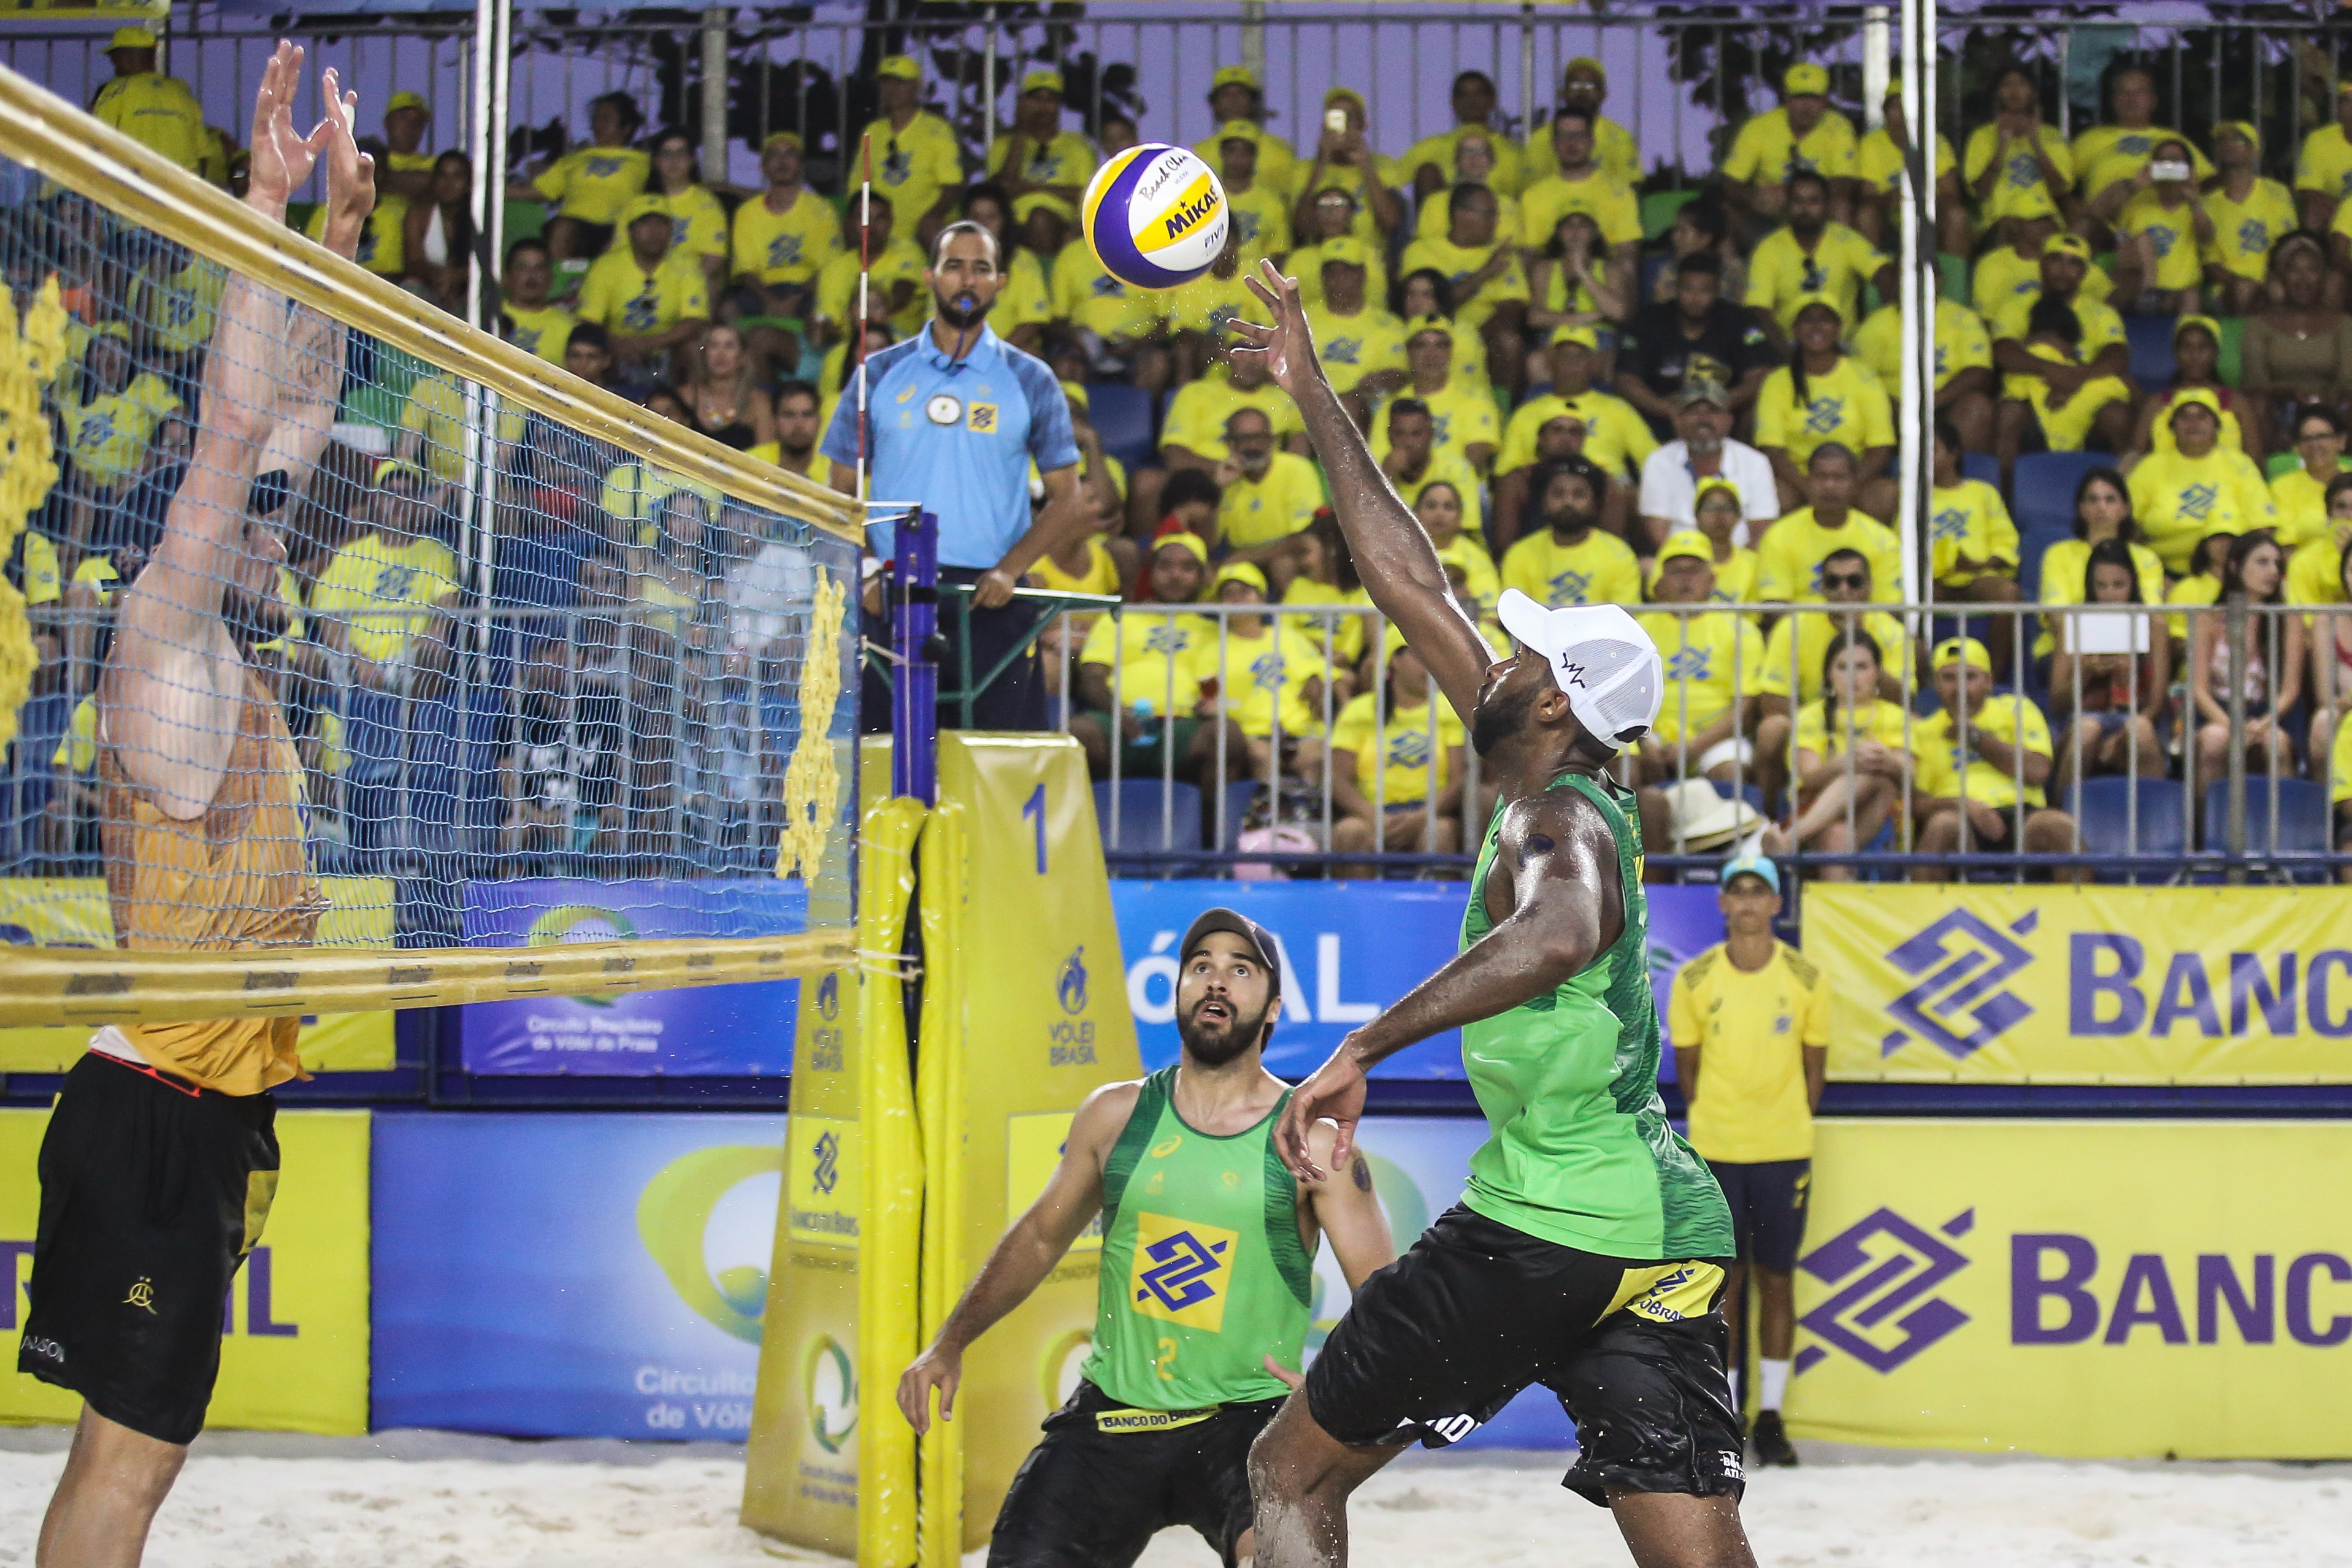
954,416
1751,1020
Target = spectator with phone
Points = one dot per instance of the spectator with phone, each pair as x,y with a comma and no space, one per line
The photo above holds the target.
2161,231
2112,724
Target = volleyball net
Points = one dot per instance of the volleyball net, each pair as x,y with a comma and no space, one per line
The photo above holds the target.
559,675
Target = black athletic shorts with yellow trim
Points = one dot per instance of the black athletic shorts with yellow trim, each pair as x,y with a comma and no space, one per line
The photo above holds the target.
1106,1480
1436,1344
152,1191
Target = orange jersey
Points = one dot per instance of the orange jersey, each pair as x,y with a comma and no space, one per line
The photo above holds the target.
237,877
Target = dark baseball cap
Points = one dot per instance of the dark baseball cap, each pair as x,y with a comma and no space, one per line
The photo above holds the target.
1242,926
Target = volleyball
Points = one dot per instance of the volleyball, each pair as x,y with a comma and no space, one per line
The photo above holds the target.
1155,216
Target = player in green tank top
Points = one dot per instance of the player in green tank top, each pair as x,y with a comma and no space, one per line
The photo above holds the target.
1205,1279
1588,1253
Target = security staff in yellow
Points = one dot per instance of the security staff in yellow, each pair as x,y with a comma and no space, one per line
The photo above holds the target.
1751,1020
1208,1255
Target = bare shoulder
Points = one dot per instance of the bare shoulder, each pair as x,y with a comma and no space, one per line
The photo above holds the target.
1553,819
1102,1115
1322,1137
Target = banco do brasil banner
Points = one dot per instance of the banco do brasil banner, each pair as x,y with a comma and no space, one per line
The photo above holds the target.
2102,985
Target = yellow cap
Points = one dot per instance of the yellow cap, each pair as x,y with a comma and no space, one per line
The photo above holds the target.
1962,651
1239,572
1420,324
1347,95
1709,486
1233,76
1573,333
1240,130
1587,66
1045,80
903,67
1349,251
1803,80
2033,202
2212,328
1812,305
1686,547
790,138
405,99
644,204
2193,397
131,38
1571,415
2239,128
398,467
2074,245
1183,540
1077,392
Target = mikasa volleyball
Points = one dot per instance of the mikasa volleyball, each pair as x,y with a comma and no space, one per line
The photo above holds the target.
1155,217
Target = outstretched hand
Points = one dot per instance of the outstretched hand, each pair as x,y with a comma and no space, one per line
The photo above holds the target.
1333,1093
280,161
1288,346
351,173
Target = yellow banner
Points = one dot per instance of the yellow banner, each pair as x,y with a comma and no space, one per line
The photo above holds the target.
2078,1289
2052,984
295,1358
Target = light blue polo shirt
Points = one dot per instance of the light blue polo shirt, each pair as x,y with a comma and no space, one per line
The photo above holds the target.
957,435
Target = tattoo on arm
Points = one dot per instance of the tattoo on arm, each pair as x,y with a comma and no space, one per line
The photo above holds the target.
1363,1175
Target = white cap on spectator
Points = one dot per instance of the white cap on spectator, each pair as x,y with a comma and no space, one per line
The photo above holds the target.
1600,658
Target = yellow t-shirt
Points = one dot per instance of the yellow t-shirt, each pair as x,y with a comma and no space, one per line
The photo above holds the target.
2340,767
1461,413
1767,151
1961,343
1260,511
2021,170
1354,347
2106,153
2172,231
1344,635
1613,148
1616,437
1701,651
159,113
1394,760
1265,678
1878,163
1211,305
1614,207
1876,719
2189,592
913,167
789,246
1456,263
1599,570
2325,164
1154,656
901,261
1480,580
1022,297
1812,636
2003,277
375,574
545,331
2177,500
1783,279
76,750
1789,561
43,583
1102,575
1278,168
593,183
2314,572
624,297
2301,502
384,240
1751,1031
1305,263
179,311
2063,565
2011,719
1968,519
2243,232
1449,467
1847,405
1436,217
1261,221
436,410
108,435
1067,159
1086,296
1510,176
1735,579
697,222
1197,414
2101,325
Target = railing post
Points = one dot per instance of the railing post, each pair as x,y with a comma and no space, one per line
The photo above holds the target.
914,625
2233,632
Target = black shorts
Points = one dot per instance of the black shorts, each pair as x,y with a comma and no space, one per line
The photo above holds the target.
152,1191
1087,1497
1434,1344
1767,1208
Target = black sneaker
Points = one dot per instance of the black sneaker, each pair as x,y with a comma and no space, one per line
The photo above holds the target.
1770,1441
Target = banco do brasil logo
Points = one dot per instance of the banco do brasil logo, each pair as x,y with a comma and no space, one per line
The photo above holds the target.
1962,965
1883,1273
828,1163
1072,988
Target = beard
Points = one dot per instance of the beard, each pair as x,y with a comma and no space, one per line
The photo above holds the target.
961,312
1216,1043
1498,718
1569,520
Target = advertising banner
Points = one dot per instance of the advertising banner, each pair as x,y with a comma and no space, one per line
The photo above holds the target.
1349,949
295,1358
2078,1289
2099,984
573,1275
724,1030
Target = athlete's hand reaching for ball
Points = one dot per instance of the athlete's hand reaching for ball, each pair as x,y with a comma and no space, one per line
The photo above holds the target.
939,1367
1288,346
1333,1093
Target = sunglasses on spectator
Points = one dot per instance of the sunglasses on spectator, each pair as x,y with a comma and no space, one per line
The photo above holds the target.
1844,579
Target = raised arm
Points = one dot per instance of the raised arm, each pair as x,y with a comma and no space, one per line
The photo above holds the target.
312,386
1392,552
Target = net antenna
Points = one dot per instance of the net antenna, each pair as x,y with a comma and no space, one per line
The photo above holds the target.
865,281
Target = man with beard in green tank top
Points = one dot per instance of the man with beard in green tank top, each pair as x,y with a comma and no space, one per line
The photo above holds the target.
1206,1277
1588,1252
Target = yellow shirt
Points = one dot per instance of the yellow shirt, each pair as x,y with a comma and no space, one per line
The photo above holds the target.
2190,591
1877,720
697,222
1613,148
1154,655
1278,168
2326,162
1211,305
1394,760
1264,679
2177,500
1456,263
2314,572
2014,720
1751,1031
2003,277
1067,159
159,113
1086,296
1848,404
375,574
179,311
913,167
2243,232
2101,326
545,331
1261,221
1878,163
2340,768
1102,575
1701,651
1616,437
1510,176
2063,565
43,583
1449,467
1344,635
1480,581
2021,170
2106,153
1259,511
2173,233
789,247
593,183
1968,519
2301,502
1614,207
901,261
1354,347
1782,279
1767,151
1197,414
1789,561
436,410
108,435
383,241
1462,416
1961,343
1735,579
1305,263
1812,635
1599,570
1436,217
624,297
1022,297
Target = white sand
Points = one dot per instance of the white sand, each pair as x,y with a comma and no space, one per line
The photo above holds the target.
475,1503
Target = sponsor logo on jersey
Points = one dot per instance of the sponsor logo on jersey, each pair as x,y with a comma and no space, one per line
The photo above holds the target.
1181,1271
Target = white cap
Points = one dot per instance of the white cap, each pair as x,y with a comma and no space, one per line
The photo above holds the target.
1600,658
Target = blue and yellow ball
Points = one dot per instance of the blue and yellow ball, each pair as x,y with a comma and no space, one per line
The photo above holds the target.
1155,217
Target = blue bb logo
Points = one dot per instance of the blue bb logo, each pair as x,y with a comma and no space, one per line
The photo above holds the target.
1072,989
1959,1006
1181,1271
828,1163
1883,1265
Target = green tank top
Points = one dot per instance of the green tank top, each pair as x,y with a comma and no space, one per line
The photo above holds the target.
1202,1273
1579,1151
